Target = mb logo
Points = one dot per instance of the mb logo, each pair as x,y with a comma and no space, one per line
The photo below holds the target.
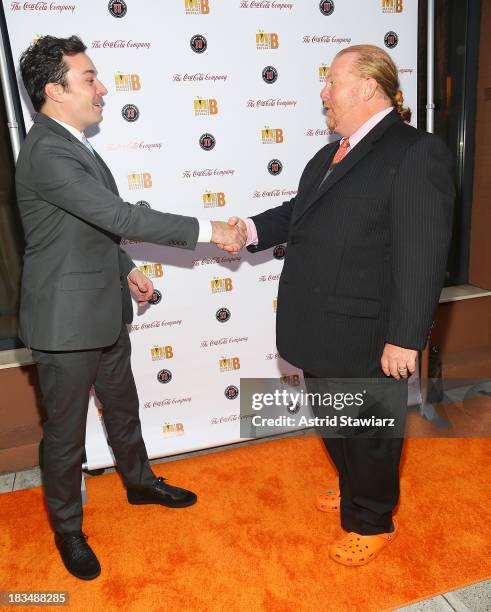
152,270
292,380
323,72
139,180
392,6
173,429
197,7
213,200
272,136
161,352
267,41
127,82
205,107
228,364
220,285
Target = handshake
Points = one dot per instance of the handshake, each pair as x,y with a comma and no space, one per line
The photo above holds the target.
230,236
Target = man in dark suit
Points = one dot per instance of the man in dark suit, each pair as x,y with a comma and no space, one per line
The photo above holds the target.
75,300
368,235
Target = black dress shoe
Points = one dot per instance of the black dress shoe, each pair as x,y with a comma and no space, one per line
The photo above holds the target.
161,493
77,555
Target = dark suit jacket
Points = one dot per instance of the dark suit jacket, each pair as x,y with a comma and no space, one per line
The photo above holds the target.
366,252
74,287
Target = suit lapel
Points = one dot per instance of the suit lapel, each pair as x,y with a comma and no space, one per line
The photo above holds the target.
96,161
341,169
320,171
108,173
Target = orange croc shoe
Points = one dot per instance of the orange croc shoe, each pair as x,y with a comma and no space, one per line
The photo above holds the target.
354,549
329,501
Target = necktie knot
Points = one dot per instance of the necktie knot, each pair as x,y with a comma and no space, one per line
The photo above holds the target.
341,152
87,144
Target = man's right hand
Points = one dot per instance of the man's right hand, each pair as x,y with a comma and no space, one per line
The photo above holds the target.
240,225
229,236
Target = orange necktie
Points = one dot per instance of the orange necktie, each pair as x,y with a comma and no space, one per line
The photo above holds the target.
341,152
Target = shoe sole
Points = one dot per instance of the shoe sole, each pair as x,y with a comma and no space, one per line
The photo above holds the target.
161,503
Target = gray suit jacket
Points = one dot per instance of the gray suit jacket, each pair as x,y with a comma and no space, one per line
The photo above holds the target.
74,289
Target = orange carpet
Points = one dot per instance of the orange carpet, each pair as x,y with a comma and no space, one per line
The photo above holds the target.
255,541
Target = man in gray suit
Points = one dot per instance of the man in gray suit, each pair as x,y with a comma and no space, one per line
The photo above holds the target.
76,284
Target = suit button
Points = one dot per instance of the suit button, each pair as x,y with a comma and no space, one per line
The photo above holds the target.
317,289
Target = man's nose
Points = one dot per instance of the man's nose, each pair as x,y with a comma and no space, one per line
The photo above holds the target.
101,89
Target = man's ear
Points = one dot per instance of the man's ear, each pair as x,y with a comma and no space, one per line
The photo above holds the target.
54,91
369,89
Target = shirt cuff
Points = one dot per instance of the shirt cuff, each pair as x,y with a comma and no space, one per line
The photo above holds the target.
205,230
251,233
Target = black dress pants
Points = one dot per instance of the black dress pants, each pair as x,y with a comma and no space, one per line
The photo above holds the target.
65,379
368,471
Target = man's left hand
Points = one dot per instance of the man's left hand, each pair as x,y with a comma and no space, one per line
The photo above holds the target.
398,362
141,286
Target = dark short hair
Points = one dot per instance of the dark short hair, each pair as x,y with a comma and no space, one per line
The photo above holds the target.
42,63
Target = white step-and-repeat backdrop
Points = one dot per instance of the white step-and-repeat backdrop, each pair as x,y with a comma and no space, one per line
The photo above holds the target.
212,110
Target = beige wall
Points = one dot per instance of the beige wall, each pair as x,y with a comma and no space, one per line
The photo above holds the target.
480,256
20,418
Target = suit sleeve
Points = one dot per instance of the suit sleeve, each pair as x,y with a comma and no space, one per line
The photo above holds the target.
126,264
61,179
272,226
421,218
